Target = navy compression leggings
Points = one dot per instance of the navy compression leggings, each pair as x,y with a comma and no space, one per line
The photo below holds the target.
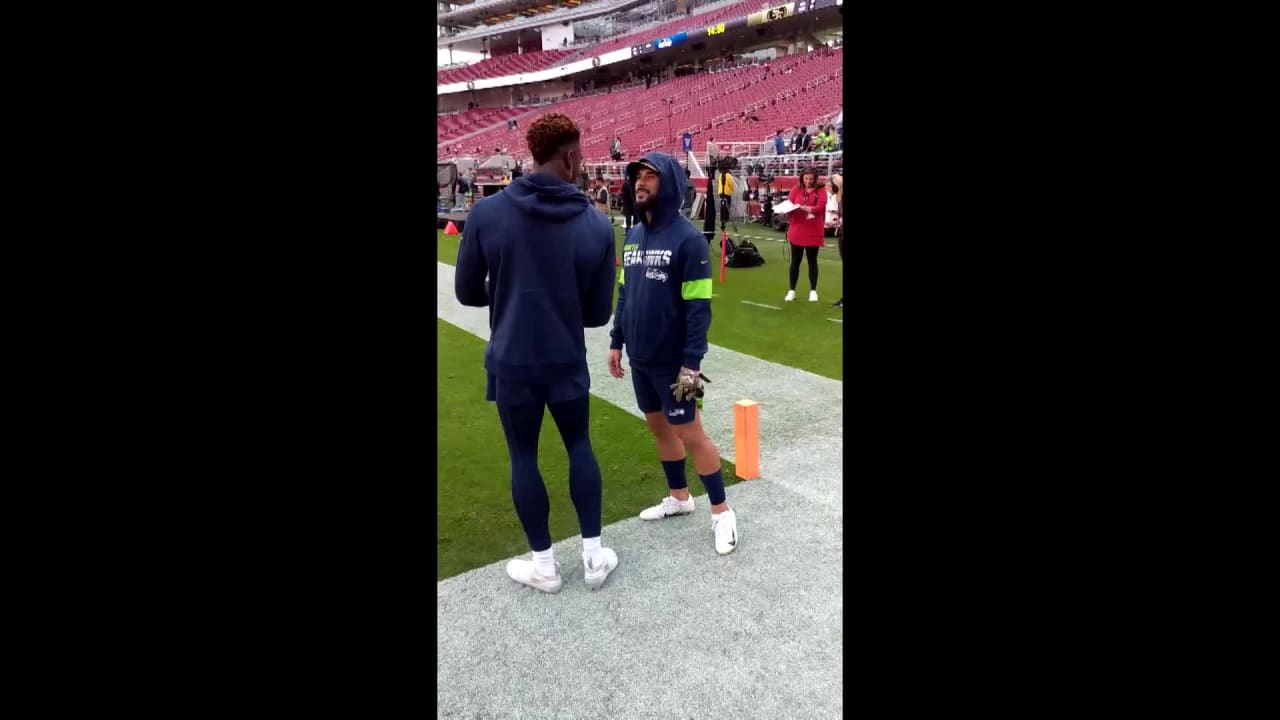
522,424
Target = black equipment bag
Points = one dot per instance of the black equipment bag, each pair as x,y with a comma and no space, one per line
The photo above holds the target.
742,254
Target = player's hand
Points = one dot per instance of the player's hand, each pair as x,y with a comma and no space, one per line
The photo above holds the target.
688,385
615,364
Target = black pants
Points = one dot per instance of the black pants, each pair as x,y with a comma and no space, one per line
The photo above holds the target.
724,212
812,254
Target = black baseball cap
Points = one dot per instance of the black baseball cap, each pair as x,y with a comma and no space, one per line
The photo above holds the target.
634,167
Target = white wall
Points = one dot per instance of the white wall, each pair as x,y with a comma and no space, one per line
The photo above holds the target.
442,56
495,97
553,35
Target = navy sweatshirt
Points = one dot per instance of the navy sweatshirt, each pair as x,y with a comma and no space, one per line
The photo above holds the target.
550,261
664,292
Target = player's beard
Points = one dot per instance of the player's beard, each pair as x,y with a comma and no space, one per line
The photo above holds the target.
649,204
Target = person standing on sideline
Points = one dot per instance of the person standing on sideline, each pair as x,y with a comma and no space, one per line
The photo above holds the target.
779,145
796,139
690,192
709,206
837,192
804,233
601,198
662,318
724,190
628,199
549,258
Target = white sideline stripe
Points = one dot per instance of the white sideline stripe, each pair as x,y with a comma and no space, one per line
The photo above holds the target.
748,302
836,320
808,462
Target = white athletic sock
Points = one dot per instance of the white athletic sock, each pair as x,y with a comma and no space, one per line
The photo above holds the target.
590,548
544,561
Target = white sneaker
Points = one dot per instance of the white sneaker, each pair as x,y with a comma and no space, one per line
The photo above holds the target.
725,527
667,508
813,296
525,573
596,575
791,295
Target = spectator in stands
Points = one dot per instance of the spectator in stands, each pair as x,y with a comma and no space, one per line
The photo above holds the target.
820,140
779,145
615,149
804,233
536,356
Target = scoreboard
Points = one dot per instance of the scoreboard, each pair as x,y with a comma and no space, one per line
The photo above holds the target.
768,15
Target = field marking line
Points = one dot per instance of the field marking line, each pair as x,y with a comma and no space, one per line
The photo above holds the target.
836,320
748,302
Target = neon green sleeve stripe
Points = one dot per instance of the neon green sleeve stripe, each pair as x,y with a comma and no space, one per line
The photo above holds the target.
696,289
622,276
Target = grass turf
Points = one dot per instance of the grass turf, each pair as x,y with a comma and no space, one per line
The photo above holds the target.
800,334
476,521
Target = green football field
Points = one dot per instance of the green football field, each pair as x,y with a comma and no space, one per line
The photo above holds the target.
799,334
476,521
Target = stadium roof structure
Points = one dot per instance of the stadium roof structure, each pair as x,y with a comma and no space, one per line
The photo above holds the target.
742,24
566,13
491,12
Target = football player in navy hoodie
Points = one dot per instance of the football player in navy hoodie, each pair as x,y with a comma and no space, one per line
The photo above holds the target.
549,258
663,313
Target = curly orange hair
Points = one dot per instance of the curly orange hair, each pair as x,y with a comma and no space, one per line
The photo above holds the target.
549,133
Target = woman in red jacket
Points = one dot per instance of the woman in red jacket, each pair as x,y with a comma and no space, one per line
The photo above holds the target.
804,232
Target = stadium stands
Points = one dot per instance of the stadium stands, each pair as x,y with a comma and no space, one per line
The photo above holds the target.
450,127
502,66
743,104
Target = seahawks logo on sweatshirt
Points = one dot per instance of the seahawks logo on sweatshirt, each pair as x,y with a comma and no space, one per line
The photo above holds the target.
632,255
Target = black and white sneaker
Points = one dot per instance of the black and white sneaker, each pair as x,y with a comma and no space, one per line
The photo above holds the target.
725,527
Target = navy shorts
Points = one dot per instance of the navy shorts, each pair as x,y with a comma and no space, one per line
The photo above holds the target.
653,393
513,392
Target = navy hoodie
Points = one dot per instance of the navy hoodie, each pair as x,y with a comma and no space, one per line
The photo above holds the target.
549,257
664,293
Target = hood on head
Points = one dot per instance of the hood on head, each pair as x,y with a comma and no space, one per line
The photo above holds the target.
547,197
670,189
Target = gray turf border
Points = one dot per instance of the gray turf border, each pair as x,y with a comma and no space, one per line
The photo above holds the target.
677,631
